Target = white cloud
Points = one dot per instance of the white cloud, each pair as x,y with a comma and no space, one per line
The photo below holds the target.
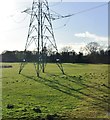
91,36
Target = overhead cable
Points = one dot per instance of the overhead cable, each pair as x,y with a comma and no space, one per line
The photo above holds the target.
83,11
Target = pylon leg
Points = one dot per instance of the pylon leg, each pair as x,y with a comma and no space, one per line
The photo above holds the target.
60,67
41,33
21,67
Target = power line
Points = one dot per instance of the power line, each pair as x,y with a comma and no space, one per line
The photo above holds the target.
59,16
64,25
80,12
87,10
71,15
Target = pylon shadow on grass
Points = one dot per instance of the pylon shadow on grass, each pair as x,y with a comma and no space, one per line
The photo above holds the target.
72,79
83,87
76,80
54,84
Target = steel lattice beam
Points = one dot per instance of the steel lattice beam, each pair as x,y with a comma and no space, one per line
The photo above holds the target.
41,34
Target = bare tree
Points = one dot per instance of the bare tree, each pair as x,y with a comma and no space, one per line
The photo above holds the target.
92,47
66,49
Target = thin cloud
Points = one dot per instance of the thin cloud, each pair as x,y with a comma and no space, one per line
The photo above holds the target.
91,36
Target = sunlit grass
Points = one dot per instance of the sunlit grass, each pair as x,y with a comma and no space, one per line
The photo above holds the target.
81,93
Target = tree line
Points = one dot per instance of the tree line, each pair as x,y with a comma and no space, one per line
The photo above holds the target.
91,53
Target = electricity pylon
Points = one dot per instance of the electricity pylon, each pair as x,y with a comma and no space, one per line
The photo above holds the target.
41,34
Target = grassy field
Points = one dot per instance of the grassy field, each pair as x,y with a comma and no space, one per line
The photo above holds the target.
81,93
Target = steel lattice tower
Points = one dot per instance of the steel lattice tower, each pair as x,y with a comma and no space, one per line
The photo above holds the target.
41,34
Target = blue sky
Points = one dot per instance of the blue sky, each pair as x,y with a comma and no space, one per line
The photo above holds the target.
93,23
79,30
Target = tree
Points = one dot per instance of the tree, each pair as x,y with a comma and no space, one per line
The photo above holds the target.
79,58
92,47
66,49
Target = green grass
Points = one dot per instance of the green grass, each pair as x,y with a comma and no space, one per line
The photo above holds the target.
81,93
